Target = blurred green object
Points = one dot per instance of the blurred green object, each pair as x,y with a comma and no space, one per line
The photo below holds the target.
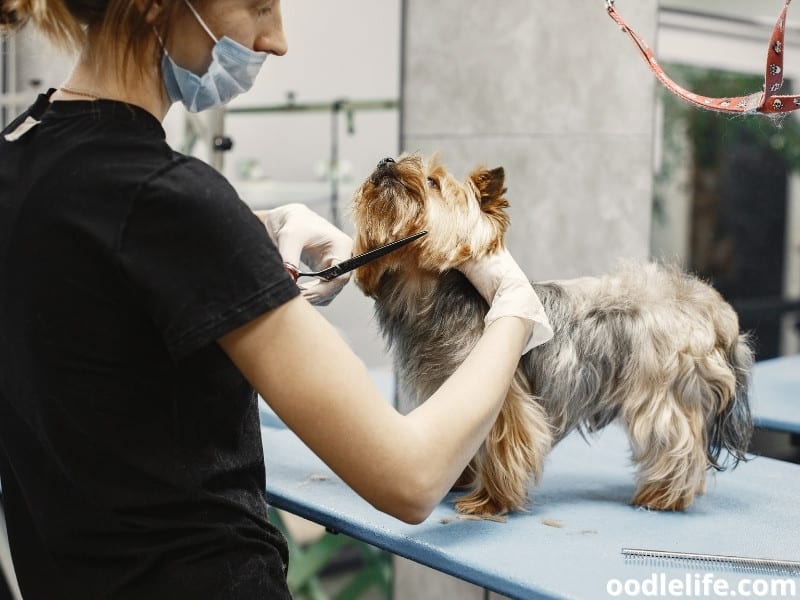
306,561
707,128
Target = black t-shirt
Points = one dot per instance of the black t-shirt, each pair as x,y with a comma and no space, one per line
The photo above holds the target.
130,449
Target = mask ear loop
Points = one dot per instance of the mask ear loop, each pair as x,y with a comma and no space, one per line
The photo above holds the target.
200,20
160,41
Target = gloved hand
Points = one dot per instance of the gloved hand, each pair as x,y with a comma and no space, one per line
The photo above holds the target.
303,236
501,282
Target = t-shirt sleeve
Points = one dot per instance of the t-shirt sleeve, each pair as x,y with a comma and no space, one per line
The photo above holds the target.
200,261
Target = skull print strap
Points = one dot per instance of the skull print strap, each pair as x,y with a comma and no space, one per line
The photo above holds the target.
764,102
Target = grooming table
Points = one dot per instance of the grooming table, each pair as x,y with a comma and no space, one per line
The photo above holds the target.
568,545
776,394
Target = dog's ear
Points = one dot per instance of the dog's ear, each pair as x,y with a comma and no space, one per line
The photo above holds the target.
490,184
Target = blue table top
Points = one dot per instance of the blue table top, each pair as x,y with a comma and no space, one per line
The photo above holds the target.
775,397
569,544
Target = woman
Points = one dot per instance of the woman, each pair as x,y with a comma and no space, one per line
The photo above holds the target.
140,304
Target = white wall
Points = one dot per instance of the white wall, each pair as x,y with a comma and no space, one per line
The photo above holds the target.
348,49
762,10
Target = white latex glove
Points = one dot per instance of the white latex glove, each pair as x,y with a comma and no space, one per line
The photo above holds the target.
501,282
302,236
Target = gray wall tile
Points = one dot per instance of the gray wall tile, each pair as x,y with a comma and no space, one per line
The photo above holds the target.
557,95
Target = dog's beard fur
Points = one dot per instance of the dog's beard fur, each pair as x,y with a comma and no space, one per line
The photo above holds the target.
653,347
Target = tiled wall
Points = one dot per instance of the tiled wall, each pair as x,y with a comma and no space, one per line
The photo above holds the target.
556,94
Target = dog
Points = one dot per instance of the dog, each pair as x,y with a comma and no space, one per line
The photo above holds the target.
650,346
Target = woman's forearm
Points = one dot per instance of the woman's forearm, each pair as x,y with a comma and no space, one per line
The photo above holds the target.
403,465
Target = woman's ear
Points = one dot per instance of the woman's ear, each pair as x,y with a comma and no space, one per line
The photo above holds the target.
151,9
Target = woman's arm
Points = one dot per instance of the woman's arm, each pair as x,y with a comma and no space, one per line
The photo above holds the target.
402,465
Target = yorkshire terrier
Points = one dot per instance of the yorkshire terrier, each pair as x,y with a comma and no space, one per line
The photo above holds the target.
649,345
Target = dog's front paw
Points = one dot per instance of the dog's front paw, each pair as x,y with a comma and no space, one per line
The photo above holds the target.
466,480
479,503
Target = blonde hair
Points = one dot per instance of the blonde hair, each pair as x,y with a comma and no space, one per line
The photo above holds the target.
72,24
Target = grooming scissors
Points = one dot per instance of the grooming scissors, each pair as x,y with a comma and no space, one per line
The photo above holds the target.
353,263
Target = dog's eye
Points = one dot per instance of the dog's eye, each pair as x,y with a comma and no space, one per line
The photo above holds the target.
433,184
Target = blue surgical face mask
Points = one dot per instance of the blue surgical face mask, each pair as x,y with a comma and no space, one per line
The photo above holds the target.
232,71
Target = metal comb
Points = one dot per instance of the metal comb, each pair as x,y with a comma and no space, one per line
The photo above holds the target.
717,561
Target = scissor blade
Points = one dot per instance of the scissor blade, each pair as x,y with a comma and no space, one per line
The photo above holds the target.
367,257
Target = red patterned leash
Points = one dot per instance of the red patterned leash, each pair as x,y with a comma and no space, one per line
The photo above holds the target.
764,102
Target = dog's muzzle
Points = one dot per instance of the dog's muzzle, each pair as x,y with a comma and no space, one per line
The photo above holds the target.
386,169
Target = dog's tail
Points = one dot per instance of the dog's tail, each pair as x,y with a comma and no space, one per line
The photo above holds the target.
732,427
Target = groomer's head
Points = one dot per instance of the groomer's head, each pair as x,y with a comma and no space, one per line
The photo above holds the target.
129,36
120,29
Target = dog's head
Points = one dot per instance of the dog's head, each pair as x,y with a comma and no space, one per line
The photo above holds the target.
463,219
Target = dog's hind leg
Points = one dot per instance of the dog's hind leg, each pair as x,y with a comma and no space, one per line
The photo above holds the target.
513,452
668,446
671,434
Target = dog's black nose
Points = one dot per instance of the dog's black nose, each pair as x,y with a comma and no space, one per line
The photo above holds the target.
385,173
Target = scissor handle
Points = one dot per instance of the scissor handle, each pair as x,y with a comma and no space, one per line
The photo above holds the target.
293,271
